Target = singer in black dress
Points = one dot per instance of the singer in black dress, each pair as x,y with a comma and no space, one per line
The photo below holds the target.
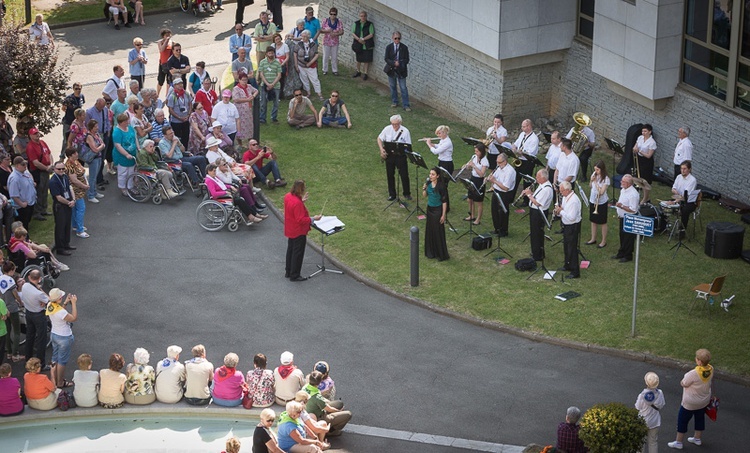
437,210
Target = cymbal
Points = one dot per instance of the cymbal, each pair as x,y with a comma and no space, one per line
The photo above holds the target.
642,183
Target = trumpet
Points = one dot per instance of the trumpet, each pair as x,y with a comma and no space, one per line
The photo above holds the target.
425,139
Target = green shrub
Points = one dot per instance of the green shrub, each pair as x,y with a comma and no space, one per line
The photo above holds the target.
613,427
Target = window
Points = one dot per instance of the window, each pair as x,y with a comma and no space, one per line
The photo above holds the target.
585,26
714,60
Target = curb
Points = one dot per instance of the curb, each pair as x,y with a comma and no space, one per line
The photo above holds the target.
666,362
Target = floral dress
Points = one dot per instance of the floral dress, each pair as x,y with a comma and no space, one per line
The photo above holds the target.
245,109
260,383
202,121
79,134
140,380
74,169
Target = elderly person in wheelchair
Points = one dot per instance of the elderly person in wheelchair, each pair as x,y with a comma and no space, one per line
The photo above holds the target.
173,152
224,173
214,152
147,159
228,193
24,252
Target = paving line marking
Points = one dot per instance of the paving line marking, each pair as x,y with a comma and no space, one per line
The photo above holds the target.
432,439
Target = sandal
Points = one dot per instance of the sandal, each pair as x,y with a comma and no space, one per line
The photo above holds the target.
66,383
469,219
18,358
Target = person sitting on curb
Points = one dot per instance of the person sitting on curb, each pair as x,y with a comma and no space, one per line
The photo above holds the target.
567,433
331,411
139,388
170,377
334,112
254,156
288,379
199,373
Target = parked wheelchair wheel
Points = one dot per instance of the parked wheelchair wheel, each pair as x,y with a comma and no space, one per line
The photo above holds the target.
185,5
157,199
233,226
139,188
211,215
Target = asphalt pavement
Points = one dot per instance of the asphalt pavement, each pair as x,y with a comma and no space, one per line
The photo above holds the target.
150,277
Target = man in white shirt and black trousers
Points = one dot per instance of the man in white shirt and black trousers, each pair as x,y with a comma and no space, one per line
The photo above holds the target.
527,144
539,202
570,214
396,132
503,181
627,204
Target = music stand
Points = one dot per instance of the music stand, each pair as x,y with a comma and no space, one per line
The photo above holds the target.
498,248
323,233
471,141
416,159
616,148
396,149
472,190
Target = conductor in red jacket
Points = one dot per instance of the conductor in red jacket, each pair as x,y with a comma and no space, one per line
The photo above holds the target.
296,225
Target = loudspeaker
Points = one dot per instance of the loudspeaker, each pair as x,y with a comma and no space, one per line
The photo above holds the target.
724,240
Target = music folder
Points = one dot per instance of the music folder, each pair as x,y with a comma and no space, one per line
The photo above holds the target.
328,225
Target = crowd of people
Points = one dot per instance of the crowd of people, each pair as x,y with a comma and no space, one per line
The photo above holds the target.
312,412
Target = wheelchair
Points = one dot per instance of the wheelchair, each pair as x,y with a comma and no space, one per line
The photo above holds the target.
213,215
40,263
182,180
144,184
191,6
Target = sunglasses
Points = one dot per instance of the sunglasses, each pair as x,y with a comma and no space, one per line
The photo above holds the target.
397,39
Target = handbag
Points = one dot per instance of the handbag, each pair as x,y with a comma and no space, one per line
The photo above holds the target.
388,69
247,400
712,409
65,401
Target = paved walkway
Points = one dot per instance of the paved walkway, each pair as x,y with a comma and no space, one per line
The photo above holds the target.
150,277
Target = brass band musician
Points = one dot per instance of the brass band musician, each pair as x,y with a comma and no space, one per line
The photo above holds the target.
497,134
569,211
644,150
478,165
598,199
527,144
685,182
503,181
539,202
588,148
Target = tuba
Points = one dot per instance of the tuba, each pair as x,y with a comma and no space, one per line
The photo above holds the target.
578,137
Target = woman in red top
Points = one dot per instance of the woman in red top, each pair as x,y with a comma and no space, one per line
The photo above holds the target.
165,51
296,225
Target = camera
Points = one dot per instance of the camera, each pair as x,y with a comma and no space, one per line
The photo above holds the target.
307,58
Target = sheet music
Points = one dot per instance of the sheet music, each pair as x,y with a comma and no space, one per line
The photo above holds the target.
329,223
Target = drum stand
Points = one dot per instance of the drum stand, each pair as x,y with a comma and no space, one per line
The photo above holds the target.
680,230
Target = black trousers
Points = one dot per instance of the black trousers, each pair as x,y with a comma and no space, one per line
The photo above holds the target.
570,244
536,225
685,212
391,164
275,7
295,254
25,215
500,217
627,242
182,131
677,170
492,159
63,217
239,16
584,163
527,168
36,335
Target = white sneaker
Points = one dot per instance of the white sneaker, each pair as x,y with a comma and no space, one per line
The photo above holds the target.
93,200
62,267
695,440
676,445
256,189
99,195
83,234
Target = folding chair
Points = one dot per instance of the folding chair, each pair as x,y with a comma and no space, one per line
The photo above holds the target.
708,292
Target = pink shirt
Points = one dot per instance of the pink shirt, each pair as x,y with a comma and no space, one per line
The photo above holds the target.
229,388
10,402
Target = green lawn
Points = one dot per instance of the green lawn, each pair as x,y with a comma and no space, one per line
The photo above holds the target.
343,171
74,11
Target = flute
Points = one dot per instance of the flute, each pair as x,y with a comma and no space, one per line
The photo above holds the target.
426,139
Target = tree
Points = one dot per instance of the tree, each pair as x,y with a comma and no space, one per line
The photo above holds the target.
33,80
613,427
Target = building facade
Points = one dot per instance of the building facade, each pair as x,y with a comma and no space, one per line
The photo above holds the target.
670,63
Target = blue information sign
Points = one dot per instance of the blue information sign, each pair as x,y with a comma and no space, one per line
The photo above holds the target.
636,224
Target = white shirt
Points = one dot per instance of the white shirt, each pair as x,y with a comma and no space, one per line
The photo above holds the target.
213,155
530,144
41,32
111,87
443,150
567,165
170,379
506,176
586,131
681,184
628,197
33,299
553,156
543,195
501,132
683,151
227,115
389,135
59,325
645,145
87,388
603,198
571,209
479,163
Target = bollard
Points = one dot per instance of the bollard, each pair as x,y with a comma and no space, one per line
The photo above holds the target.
414,270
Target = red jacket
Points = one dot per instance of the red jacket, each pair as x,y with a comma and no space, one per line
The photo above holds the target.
38,151
296,218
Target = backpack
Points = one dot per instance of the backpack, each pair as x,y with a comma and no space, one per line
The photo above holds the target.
526,264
